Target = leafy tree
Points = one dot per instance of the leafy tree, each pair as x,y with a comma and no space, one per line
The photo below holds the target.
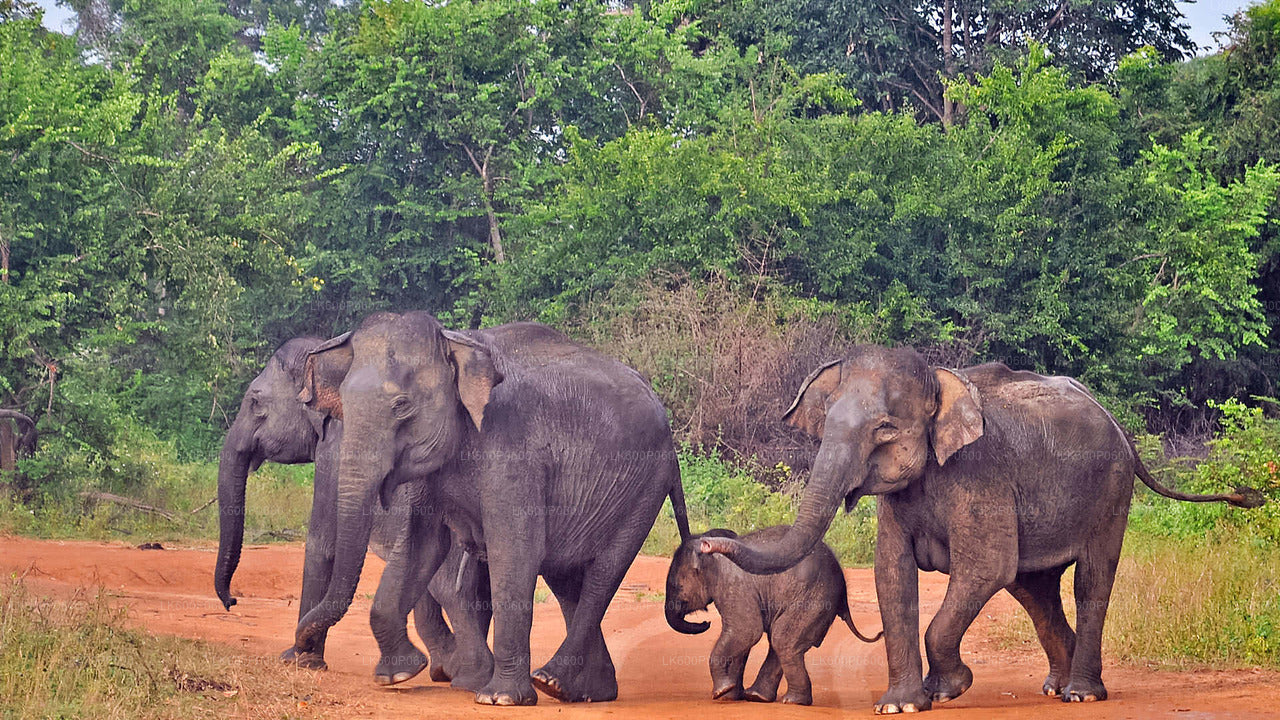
898,54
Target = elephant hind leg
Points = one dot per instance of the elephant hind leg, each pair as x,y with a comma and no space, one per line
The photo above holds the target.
967,593
1095,575
594,665
1040,594
765,688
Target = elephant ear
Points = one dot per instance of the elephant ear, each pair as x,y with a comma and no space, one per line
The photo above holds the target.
323,374
474,371
809,410
958,420
719,532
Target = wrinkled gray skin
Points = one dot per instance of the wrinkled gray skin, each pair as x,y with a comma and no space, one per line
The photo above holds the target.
999,478
794,608
550,458
273,425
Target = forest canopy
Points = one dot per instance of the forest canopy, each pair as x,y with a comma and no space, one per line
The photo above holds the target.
1062,186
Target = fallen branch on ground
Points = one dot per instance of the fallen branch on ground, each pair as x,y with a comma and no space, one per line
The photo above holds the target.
127,502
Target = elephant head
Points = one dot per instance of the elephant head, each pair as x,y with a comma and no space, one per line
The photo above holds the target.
688,588
408,392
883,416
271,425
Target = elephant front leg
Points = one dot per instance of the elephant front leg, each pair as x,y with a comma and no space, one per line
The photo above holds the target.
317,568
515,549
403,584
898,594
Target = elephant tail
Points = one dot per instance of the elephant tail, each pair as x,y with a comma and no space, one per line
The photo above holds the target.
676,493
1243,497
848,620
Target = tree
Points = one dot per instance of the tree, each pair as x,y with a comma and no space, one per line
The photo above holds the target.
898,54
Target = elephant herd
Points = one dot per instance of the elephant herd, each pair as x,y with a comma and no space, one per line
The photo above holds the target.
475,461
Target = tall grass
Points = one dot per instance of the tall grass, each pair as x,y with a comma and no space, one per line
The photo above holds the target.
77,659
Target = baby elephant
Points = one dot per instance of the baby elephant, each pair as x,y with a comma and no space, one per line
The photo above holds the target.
795,607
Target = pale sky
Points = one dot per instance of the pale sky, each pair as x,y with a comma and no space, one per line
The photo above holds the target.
1204,17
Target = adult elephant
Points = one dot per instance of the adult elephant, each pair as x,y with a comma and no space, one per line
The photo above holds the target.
999,478
555,458
273,425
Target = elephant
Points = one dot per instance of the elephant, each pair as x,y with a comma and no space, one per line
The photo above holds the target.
554,459
273,425
998,478
795,608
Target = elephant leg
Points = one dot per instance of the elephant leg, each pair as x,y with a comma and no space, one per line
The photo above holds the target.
765,688
974,580
317,567
1095,574
595,666
470,666
568,676
516,545
741,631
417,555
799,688
897,589
1040,594
429,623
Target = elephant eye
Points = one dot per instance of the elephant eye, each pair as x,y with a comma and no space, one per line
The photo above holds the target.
402,407
257,407
886,432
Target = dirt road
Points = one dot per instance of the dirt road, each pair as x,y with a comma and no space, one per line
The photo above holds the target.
660,672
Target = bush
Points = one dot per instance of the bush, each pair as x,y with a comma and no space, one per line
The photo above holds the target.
726,364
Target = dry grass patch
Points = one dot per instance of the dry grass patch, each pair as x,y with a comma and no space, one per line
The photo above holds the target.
77,658
1212,602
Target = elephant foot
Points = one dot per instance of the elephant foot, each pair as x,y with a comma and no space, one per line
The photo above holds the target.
897,700
507,692
563,690
727,691
471,675
1084,691
584,678
399,666
798,698
1052,685
438,674
945,686
304,660
757,693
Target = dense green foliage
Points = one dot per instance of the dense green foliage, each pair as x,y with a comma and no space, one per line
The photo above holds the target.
189,183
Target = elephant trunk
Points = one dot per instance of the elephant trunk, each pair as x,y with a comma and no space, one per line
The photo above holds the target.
362,469
676,610
234,465
822,497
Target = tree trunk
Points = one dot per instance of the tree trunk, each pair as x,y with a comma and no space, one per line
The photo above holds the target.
948,62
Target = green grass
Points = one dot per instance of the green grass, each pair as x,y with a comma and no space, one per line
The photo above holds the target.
278,502
79,659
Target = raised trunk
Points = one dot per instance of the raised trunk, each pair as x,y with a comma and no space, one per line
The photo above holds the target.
364,465
233,471
822,497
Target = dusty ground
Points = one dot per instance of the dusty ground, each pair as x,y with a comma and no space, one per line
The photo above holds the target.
660,672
